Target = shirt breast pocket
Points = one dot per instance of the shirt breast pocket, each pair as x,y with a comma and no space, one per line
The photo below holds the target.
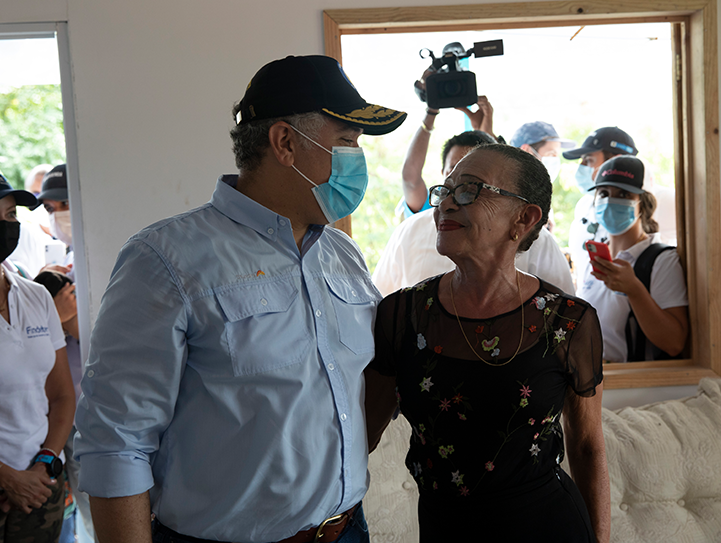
354,302
265,327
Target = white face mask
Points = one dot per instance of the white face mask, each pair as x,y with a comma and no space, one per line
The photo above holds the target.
60,226
553,166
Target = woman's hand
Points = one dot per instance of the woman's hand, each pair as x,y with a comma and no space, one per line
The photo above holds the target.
617,275
25,490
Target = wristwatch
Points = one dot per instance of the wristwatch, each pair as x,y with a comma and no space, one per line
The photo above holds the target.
52,463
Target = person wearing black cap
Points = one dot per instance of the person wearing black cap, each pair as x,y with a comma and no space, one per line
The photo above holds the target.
225,366
36,394
639,321
598,147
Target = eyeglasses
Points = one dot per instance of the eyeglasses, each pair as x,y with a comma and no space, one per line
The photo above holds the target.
465,193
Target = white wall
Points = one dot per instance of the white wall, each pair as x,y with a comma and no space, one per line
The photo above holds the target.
154,82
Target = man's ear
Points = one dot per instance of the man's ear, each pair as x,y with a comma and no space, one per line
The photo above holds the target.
527,148
283,143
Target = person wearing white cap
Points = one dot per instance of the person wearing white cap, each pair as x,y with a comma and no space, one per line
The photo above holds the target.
643,314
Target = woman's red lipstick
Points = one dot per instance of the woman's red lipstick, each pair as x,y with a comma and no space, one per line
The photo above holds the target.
447,224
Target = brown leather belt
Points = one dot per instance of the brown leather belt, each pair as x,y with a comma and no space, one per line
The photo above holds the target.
327,532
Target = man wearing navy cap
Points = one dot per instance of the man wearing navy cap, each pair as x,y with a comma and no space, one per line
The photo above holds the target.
600,146
224,388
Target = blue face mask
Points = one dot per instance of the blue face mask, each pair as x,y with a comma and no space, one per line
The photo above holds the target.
344,191
584,177
616,215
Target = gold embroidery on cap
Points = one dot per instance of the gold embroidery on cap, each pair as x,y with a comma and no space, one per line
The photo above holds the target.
390,116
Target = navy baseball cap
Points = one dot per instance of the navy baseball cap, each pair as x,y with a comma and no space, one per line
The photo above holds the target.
608,138
55,185
22,197
296,85
622,171
537,132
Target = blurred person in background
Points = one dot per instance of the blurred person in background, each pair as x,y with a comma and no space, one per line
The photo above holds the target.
62,289
37,402
600,145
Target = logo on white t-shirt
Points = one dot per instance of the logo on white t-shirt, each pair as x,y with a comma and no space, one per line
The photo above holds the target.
37,331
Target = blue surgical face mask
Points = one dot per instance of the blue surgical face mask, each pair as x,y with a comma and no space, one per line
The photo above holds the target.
616,215
584,177
553,166
344,191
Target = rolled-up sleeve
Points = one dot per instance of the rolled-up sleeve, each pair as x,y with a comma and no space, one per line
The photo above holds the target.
131,381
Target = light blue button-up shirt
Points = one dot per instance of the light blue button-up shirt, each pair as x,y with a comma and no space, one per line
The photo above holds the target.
225,373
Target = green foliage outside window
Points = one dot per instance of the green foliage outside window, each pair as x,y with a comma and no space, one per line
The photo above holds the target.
31,130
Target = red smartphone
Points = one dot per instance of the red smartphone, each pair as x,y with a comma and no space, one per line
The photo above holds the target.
596,248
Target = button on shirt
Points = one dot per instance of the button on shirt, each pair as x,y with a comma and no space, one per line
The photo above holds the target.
27,356
668,289
225,368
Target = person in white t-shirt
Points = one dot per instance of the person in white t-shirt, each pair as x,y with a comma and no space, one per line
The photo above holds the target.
625,209
37,401
410,255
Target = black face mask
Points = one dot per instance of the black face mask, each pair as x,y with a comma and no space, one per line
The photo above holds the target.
9,236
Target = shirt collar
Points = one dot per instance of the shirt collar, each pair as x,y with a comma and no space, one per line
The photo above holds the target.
239,208
632,253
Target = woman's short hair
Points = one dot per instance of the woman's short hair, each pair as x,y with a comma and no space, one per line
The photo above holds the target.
250,140
531,181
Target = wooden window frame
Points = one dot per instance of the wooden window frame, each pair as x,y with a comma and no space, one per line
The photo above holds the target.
696,136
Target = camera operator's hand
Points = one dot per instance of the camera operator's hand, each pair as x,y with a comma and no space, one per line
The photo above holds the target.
420,85
482,118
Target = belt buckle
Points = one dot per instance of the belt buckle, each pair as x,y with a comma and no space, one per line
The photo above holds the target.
329,520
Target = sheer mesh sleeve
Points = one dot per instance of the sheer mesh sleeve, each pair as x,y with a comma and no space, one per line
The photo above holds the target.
389,328
584,357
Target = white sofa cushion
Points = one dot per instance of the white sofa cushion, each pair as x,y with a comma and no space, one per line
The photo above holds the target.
664,462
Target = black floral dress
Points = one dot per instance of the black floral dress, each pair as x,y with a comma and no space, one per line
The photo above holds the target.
487,441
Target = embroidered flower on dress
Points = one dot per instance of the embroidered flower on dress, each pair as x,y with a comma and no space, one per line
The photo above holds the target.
479,329
560,335
550,296
438,349
457,477
531,422
547,311
462,416
570,325
490,344
496,352
526,391
457,398
445,451
445,404
429,303
539,302
421,342
464,491
417,470
426,384
429,463
532,328
435,485
536,436
490,466
535,449
570,303
420,287
523,402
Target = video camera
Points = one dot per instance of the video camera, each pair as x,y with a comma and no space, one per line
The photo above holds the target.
451,85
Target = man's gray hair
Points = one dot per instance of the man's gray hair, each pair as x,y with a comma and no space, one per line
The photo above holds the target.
37,170
250,140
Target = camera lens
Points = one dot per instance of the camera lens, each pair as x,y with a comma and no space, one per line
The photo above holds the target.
452,88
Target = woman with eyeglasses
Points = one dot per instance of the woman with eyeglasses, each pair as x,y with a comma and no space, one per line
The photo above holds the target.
37,400
483,361
641,295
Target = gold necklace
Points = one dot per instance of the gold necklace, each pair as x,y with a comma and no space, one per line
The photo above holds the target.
520,297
